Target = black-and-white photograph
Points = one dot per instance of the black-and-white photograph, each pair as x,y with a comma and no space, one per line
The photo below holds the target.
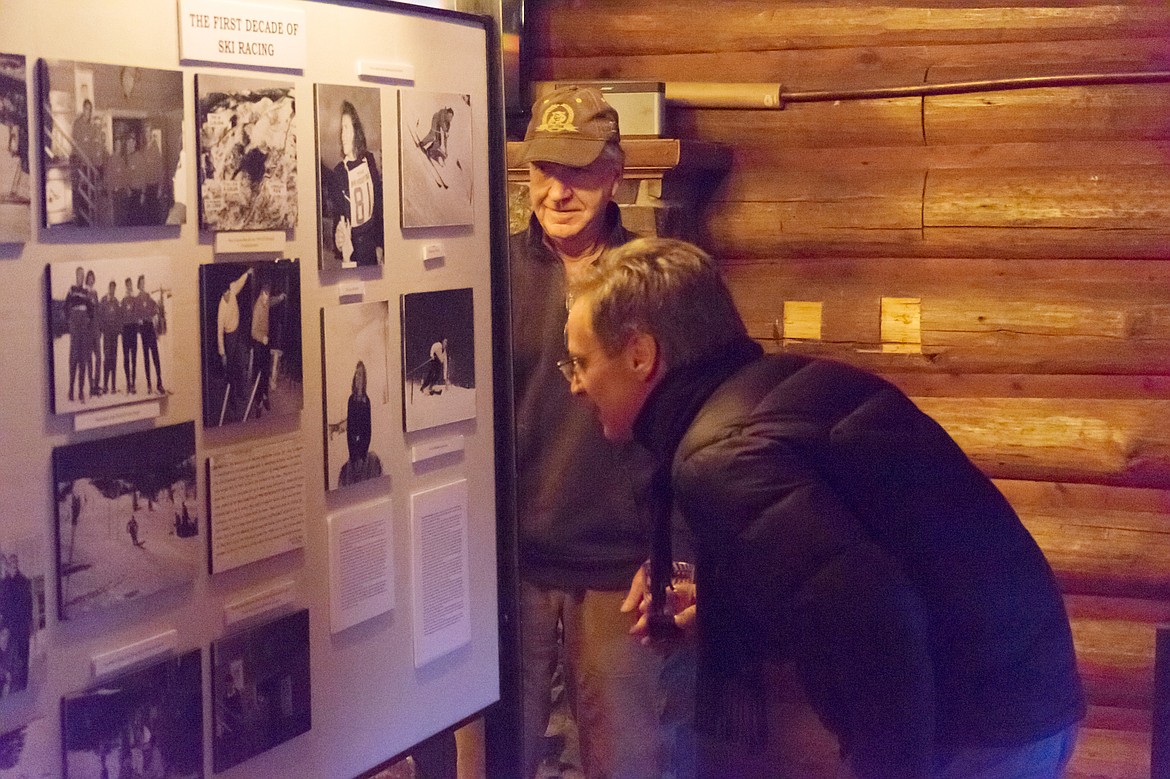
15,185
260,689
30,751
112,151
22,611
351,222
250,340
247,153
127,518
435,168
438,358
355,348
144,724
109,332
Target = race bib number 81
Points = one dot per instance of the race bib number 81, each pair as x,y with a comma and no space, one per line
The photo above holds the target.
361,194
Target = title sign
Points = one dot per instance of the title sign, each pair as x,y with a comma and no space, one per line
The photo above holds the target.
222,31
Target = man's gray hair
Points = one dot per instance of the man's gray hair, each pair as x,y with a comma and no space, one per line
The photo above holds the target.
666,288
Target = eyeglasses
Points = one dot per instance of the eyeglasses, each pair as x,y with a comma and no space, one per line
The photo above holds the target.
568,367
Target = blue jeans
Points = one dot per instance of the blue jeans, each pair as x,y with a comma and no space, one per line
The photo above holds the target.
1044,758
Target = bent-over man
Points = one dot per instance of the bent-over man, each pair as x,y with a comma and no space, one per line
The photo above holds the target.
837,526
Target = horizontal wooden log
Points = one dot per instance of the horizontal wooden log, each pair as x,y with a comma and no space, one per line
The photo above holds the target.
1118,719
770,161
1114,442
1053,114
667,26
867,66
1121,442
748,231
1137,240
1041,297
864,66
1132,197
1110,752
1033,496
1105,551
1123,610
754,229
795,69
1021,385
1109,197
1096,113
841,199
764,174
936,364
1074,62
983,316
884,122
1114,639
724,237
1079,212
1093,556
1100,540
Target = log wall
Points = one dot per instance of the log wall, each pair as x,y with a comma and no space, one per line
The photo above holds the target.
1029,228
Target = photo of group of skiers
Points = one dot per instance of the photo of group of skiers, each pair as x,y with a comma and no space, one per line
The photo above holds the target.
112,312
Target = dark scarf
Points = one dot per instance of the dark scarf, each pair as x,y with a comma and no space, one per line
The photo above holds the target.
730,702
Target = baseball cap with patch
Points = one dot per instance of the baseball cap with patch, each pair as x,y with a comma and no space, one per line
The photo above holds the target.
570,126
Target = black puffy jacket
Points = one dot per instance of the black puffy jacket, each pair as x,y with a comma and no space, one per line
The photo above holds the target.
840,527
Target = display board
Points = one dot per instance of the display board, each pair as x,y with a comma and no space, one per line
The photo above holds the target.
250,256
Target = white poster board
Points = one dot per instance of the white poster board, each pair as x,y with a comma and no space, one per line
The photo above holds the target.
369,701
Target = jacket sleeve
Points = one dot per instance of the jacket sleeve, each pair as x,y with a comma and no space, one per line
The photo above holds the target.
810,577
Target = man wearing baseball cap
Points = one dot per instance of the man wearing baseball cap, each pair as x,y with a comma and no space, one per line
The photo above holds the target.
583,528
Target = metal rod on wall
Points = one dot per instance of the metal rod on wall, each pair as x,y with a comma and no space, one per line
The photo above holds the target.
694,94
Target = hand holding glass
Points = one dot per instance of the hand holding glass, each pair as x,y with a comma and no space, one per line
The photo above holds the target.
680,603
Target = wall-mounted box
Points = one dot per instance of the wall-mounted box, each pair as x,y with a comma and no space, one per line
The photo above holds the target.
641,105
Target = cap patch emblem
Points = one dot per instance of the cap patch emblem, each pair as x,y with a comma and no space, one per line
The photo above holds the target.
557,118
